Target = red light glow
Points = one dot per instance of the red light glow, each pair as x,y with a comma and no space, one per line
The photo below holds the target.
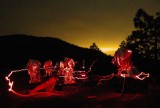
83,75
64,69
122,59
34,91
10,83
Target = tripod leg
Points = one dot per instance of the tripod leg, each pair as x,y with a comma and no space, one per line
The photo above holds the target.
123,87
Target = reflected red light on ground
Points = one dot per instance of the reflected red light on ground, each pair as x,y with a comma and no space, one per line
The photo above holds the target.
90,97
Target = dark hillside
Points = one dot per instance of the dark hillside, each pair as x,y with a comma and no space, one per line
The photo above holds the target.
16,50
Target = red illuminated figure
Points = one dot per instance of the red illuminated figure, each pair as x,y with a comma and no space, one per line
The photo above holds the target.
122,59
60,68
69,65
48,66
34,71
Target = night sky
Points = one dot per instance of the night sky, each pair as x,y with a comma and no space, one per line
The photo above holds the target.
79,22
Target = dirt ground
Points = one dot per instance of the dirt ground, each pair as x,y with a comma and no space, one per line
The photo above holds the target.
82,97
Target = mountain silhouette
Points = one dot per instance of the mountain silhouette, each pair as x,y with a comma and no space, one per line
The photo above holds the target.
17,49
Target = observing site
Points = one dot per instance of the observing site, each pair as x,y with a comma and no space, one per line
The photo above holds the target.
79,54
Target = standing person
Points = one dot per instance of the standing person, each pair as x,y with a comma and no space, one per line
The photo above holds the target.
69,65
122,59
34,71
48,66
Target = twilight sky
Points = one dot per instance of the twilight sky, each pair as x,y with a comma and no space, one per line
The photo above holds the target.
79,22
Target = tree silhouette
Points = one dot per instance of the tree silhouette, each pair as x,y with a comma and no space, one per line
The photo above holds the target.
94,47
145,40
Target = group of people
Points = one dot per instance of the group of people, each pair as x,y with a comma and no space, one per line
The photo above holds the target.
63,68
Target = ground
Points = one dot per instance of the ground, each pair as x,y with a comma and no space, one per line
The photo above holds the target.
87,94
75,96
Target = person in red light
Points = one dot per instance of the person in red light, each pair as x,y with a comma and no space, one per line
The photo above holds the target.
69,65
122,59
34,71
48,66
60,68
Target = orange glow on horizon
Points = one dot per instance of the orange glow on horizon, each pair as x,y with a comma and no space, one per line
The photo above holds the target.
109,51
